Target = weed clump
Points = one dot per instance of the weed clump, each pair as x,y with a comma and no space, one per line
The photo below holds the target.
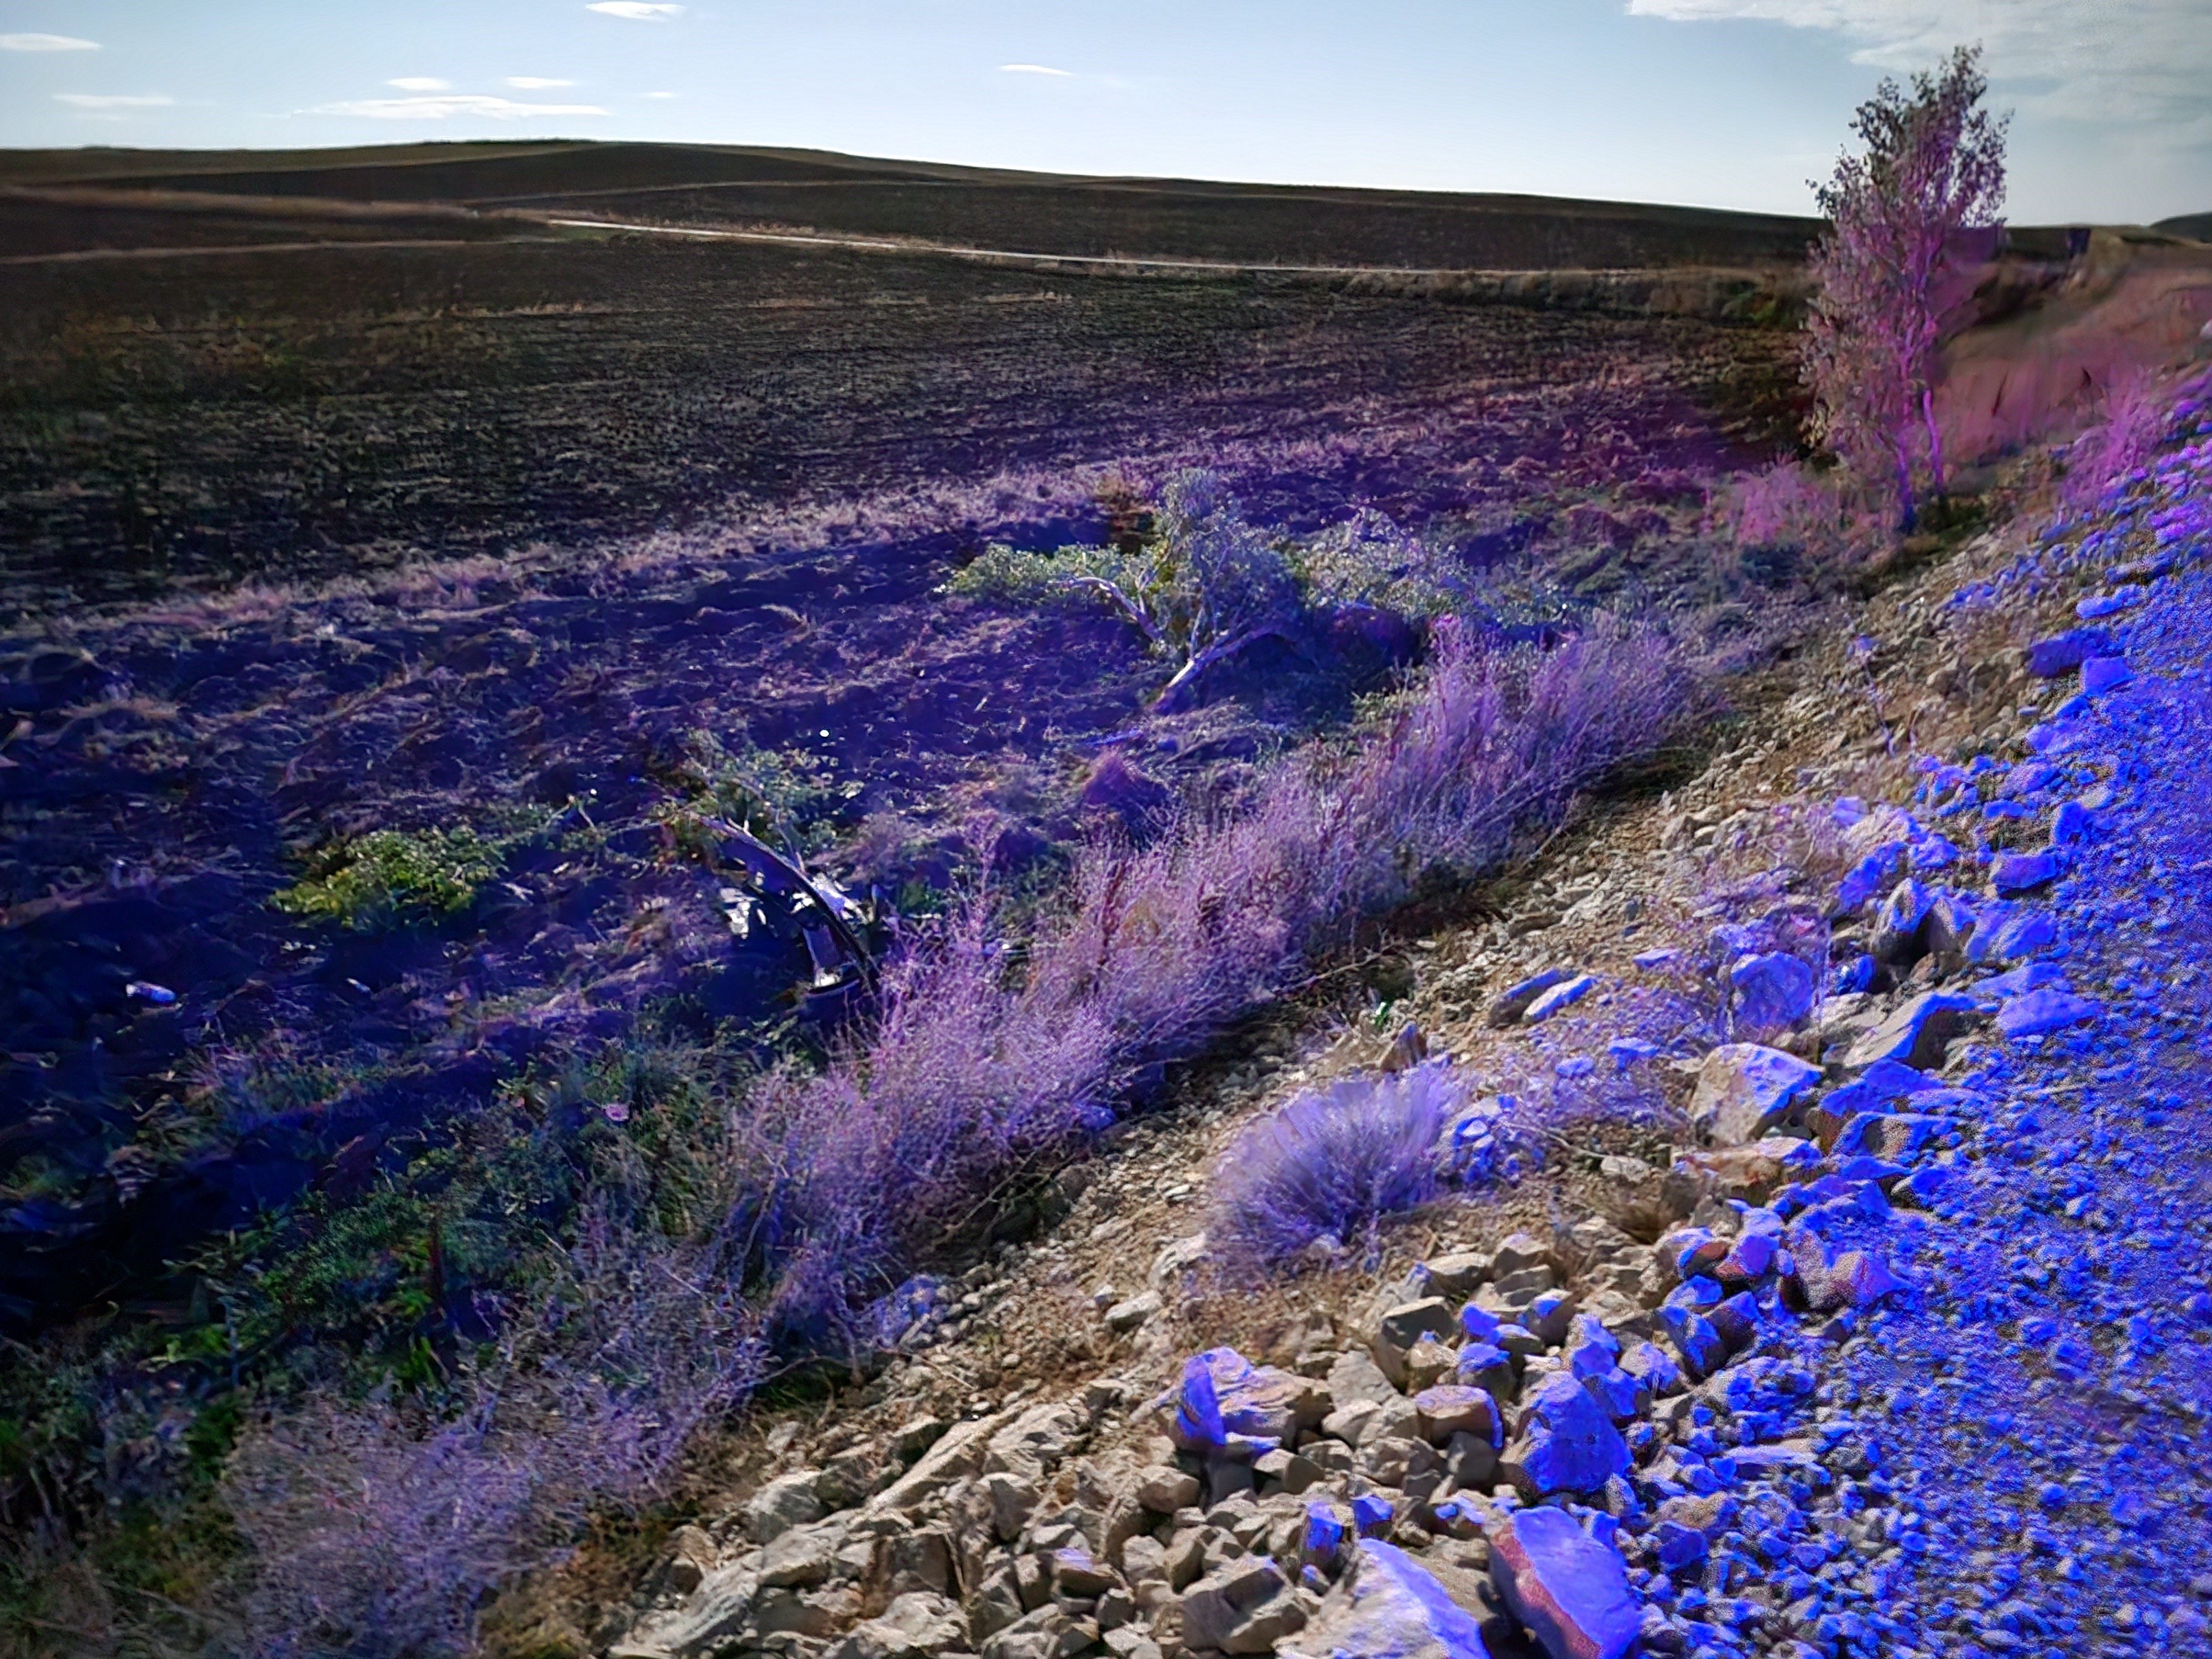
387,876
1321,1174
1203,584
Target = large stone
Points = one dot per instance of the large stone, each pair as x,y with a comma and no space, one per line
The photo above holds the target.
2062,654
1896,927
1745,1089
1404,1326
1916,1033
918,1624
2047,1010
2014,873
2013,934
1566,1441
1564,995
1260,1401
1457,1408
956,1455
1773,991
1512,1003
1570,1591
1034,1443
788,1501
1244,1606
1387,1606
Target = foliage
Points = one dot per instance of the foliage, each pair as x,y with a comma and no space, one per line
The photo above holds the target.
380,879
1202,583
381,1530
985,1060
2130,422
1328,1167
787,797
1934,165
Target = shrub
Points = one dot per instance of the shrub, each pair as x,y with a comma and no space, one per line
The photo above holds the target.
2128,424
1331,1165
1202,583
986,1062
376,880
381,1530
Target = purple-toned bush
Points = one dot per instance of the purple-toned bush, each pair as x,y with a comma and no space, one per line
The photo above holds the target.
2130,420
379,1530
980,1066
1330,1165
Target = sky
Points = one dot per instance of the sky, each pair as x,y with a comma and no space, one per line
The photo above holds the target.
1714,103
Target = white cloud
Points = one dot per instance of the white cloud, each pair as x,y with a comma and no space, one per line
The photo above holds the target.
45,43
439,108
421,83
638,11
1031,69
660,94
2134,61
97,101
533,82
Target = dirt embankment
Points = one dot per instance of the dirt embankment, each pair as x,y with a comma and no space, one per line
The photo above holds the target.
2064,336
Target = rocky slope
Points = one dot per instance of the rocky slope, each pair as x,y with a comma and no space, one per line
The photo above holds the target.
1823,1275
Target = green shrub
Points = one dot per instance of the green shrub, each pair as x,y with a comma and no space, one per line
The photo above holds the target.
388,874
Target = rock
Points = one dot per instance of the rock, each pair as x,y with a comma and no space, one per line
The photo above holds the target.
1452,1277
2009,934
1511,1004
1751,1171
1948,927
1870,876
1225,1394
2062,654
1013,1500
1428,1362
1286,1471
692,1557
790,1500
1047,1633
1036,1442
1402,1327
2107,605
1565,1442
1519,1253
2072,825
1564,995
1175,1258
800,1557
1458,1409
709,1618
1896,936
2102,674
1823,1285
1570,1591
1355,1377
1916,1033
2014,873
1125,1316
1165,1491
1245,1606
958,1456
1075,1573
1387,1606
1745,1089
918,1624
2046,1010
1773,991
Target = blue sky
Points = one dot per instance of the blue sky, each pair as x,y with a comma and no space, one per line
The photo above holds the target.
1727,103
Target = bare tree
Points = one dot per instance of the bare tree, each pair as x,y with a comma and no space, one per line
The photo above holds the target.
1934,165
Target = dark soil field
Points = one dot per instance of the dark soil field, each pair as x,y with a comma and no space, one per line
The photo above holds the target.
313,412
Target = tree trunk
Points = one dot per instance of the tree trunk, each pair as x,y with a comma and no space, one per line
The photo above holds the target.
1907,520
1935,437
